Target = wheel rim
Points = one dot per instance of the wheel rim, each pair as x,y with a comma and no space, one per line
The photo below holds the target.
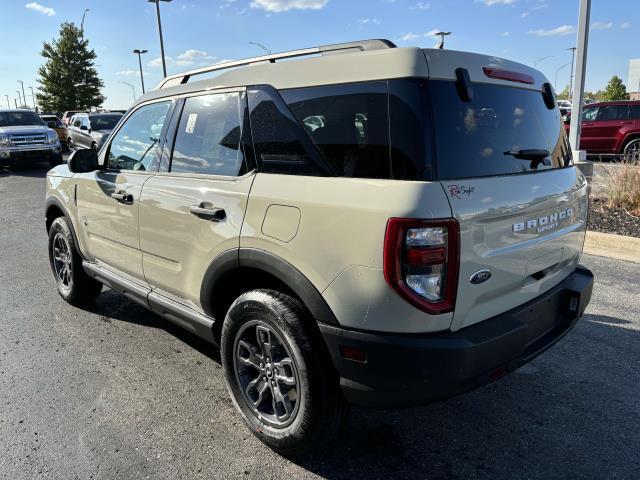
266,374
62,261
632,152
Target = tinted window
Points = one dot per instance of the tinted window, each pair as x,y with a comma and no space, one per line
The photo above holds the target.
209,136
135,145
281,145
348,124
478,138
634,112
612,112
104,122
589,114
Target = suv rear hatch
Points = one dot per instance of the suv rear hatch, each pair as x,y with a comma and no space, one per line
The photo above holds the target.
504,162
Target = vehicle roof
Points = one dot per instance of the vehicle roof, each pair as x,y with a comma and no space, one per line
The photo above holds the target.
13,110
368,65
614,102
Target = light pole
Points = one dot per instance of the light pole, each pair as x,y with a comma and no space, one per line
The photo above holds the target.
33,96
584,15
82,22
573,56
133,88
164,63
24,98
441,35
259,45
8,103
15,100
140,53
555,83
536,62
19,98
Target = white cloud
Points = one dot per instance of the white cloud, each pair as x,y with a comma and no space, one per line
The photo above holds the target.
127,73
284,5
157,62
192,56
624,25
504,34
421,6
407,37
48,11
601,25
490,3
554,32
432,33
364,21
540,6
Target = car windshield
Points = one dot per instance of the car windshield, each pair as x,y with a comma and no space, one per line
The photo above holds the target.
104,122
54,119
18,119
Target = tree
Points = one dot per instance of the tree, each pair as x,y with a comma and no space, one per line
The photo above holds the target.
615,90
68,79
564,94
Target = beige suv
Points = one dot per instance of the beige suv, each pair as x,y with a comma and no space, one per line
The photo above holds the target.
362,225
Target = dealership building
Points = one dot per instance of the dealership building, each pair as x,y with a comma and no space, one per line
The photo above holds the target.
633,83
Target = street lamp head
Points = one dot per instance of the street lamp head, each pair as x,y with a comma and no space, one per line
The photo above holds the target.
140,52
156,1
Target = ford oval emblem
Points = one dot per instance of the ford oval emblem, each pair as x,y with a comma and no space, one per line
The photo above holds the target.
480,276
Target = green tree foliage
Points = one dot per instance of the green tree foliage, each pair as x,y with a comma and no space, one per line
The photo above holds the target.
615,90
68,79
564,94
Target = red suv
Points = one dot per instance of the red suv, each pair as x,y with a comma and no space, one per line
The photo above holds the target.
611,127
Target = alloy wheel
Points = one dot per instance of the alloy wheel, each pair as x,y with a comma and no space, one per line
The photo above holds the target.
62,261
632,152
266,374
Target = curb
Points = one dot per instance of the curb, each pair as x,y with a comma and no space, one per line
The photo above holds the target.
609,245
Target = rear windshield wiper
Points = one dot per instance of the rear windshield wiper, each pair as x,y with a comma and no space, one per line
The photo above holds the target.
529,154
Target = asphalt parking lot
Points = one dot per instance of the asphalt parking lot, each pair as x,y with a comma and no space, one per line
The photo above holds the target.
116,392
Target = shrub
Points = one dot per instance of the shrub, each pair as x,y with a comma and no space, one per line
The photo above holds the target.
623,188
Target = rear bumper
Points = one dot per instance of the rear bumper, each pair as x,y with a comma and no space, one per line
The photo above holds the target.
405,370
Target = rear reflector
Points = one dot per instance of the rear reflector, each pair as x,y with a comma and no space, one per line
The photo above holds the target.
353,353
508,75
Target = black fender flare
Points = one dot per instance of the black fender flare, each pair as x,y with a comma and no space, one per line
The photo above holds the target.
53,201
271,264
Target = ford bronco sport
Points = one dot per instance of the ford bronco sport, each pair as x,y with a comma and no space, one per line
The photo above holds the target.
364,225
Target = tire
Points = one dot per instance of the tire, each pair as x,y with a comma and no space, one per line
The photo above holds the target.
94,146
316,407
631,152
72,282
70,145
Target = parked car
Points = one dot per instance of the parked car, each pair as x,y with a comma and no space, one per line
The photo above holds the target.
25,138
611,128
376,226
90,130
63,135
66,116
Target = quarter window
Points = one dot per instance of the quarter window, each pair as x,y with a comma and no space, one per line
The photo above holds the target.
209,136
135,146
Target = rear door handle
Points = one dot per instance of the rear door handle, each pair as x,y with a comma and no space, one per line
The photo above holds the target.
122,196
211,213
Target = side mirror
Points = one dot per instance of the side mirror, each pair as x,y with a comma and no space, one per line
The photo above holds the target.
83,127
51,124
83,161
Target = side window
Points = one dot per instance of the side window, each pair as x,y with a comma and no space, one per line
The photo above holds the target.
281,144
76,122
135,145
589,114
634,112
613,112
349,124
209,136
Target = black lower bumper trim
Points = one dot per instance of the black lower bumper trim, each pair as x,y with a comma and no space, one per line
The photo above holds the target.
406,370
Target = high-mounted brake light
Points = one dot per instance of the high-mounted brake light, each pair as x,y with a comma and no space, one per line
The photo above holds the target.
508,75
421,262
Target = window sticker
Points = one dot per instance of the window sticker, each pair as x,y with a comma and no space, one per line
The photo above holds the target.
191,123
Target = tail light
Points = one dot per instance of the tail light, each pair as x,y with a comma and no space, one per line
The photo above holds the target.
421,262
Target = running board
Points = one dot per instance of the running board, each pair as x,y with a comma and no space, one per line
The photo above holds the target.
186,317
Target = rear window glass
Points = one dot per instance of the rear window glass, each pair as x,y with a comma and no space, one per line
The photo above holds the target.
482,137
348,124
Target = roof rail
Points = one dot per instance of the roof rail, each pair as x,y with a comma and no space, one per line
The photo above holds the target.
335,49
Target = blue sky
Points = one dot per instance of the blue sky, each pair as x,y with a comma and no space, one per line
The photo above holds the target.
199,32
